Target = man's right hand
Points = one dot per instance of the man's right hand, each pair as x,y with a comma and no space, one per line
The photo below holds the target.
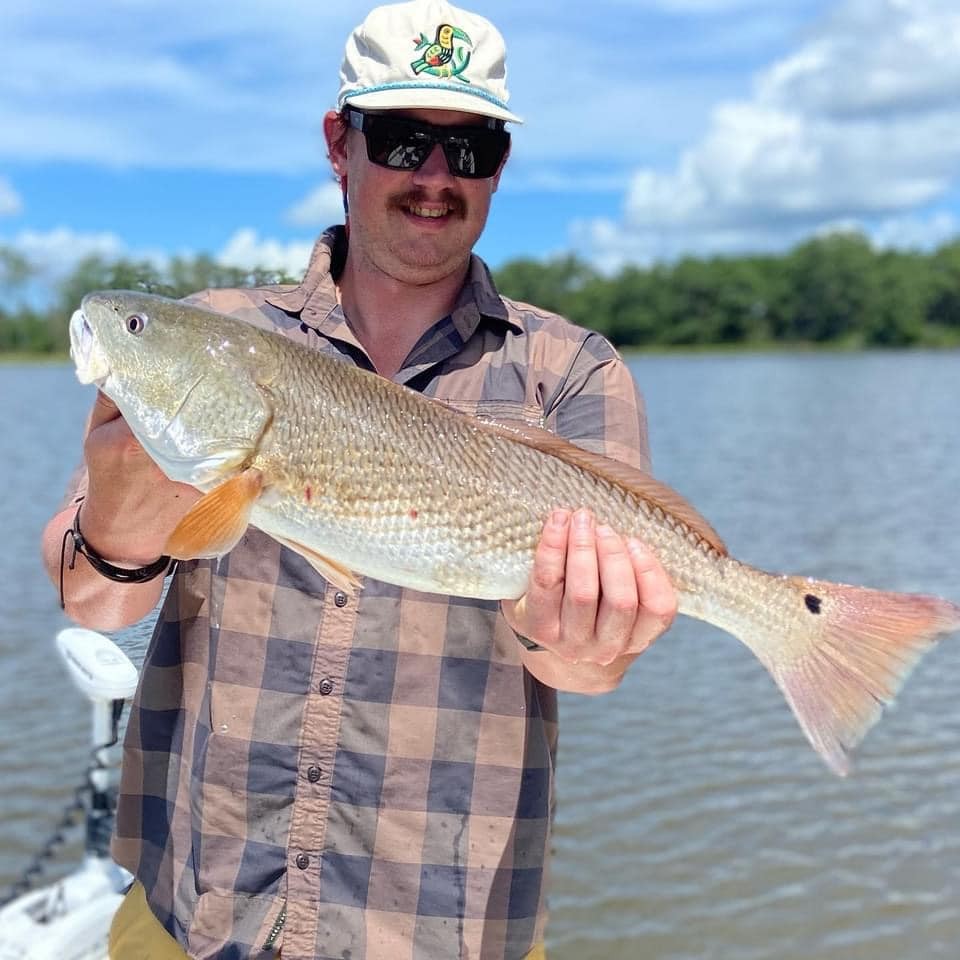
129,510
131,507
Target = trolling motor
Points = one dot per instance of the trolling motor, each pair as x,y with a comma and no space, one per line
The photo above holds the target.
70,918
104,674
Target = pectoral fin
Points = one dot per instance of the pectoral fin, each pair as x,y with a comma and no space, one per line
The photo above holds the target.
217,520
334,573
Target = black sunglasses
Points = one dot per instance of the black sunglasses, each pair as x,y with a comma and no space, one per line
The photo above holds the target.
402,144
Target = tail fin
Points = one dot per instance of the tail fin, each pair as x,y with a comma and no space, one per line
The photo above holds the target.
859,647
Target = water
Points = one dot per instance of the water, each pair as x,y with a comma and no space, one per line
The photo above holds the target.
694,822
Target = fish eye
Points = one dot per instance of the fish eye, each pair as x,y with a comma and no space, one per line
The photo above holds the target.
135,323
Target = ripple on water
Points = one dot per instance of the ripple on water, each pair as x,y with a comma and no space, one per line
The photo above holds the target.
694,822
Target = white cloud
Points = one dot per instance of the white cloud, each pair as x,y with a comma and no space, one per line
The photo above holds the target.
321,207
914,232
242,87
54,253
10,202
236,87
874,58
532,177
247,250
732,146
706,6
610,245
859,123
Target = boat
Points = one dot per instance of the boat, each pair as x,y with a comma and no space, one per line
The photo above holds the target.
69,918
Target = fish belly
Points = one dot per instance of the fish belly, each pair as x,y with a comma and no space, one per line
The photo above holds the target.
409,551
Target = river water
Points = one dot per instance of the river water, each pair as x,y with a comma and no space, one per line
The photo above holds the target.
694,822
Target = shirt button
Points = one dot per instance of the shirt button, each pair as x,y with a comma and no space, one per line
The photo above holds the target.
326,686
340,598
314,773
302,861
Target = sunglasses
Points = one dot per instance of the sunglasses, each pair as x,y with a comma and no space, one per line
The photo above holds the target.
398,143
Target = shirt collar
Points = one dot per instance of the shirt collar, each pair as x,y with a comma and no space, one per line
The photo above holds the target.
326,262
314,299
479,300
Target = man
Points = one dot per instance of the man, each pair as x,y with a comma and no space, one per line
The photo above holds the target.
368,776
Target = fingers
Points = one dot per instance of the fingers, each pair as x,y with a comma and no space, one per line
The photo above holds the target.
113,455
619,597
106,428
658,598
654,585
537,612
593,595
109,443
578,611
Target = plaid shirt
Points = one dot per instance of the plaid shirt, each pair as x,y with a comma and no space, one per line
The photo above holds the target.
373,776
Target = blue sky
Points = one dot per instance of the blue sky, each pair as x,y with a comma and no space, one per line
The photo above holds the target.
654,128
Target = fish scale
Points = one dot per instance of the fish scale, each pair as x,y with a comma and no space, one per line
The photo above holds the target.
363,476
478,515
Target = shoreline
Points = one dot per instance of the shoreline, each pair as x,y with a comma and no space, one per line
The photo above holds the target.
656,350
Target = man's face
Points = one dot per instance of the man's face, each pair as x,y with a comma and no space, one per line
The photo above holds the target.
415,226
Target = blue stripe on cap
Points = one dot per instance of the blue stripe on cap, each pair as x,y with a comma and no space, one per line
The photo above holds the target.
473,91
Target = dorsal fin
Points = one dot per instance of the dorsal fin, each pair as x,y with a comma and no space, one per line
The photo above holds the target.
636,481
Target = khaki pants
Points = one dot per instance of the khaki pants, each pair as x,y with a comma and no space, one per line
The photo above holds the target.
136,934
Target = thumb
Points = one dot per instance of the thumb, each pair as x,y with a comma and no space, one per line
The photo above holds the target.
514,613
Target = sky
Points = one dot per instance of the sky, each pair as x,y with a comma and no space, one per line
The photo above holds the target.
654,129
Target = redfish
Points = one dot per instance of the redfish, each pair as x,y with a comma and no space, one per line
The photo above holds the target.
365,477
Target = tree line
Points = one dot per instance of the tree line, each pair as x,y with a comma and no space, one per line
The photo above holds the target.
34,330
832,289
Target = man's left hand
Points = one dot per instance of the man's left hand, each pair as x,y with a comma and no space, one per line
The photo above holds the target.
594,597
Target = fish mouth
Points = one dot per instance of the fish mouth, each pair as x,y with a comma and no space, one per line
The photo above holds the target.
91,364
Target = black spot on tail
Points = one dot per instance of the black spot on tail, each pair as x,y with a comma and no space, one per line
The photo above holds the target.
812,602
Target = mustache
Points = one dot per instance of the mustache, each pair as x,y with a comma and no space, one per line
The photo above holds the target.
412,198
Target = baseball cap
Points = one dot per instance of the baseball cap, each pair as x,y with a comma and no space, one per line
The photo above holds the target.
429,54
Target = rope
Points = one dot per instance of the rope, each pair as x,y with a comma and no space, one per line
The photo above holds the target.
71,814
82,801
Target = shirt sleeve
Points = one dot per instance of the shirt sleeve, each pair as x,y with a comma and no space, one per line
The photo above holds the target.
598,405
242,303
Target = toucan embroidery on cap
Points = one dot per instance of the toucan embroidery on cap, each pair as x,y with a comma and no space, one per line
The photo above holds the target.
440,58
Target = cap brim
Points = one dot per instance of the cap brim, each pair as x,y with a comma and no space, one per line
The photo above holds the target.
432,97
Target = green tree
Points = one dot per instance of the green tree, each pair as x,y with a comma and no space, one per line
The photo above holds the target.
188,275
22,329
621,307
904,285
550,285
835,288
94,272
944,306
15,270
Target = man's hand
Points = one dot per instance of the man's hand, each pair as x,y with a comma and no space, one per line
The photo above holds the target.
593,598
131,508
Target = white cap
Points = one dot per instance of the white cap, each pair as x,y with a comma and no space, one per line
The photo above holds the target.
429,54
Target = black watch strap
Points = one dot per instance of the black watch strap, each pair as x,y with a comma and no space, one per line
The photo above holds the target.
104,567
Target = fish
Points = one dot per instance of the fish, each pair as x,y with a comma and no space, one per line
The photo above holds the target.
365,477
